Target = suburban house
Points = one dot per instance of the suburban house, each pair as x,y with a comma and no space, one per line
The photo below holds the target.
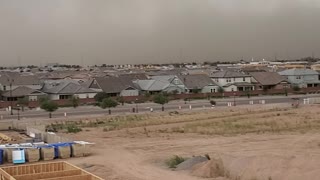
157,84
12,81
268,80
233,81
66,89
199,83
302,77
115,86
23,92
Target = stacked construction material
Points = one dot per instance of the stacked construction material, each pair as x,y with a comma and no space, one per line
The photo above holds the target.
47,152
8,155
32,154
62,150
81,148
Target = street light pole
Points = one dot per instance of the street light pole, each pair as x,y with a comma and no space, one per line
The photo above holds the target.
18,106
11,99
137,106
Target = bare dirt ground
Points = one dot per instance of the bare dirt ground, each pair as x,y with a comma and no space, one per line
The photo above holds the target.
260,143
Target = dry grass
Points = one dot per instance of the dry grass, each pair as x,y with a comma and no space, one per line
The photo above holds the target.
275,122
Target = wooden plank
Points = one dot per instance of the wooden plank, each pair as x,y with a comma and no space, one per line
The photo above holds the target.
94,177
76,177
46,175
5,176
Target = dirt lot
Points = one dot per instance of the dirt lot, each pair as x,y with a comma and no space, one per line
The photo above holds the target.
260,143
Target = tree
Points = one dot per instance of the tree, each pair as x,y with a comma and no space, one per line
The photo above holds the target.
296,88
49,106
23,102
101,96
161,99
108,103
75,101
221,90
120,99
248,93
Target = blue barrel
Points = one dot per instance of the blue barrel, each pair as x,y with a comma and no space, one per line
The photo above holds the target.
1,156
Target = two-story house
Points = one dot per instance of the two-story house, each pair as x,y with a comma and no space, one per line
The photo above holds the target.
199,83
302,77
233,81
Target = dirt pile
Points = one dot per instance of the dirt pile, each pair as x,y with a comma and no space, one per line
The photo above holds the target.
210,169
189,163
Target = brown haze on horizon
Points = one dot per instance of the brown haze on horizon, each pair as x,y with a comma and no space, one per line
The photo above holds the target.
156,31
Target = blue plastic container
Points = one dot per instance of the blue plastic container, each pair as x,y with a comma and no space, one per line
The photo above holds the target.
1,156
57,145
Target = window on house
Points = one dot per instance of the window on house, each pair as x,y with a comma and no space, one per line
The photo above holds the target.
65,97
244,79
176,81
4,88
217,80
234,79
232,89
228,79
33,98
298,77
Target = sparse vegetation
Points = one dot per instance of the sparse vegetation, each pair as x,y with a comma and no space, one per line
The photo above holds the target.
161,99
174,161
296,88
108,103
75,101
212,102
101,96
73,128
49,106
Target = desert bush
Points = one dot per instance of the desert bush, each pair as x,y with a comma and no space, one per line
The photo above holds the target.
72,128
174,161
212,102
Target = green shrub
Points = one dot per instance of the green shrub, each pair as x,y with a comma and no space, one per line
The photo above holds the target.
73,128
174,161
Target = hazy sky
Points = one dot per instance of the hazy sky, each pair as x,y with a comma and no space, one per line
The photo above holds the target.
155,31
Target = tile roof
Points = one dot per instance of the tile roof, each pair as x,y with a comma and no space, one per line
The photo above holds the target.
298,72
196,81
268,78
21,92
152,84
66,87
5,79
111,84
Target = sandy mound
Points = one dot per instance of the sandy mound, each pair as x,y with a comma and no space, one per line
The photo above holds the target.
211,169
189,163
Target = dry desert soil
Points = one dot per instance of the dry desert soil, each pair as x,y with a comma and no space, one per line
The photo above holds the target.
254,143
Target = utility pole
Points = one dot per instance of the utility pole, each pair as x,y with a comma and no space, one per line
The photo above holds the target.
11,99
